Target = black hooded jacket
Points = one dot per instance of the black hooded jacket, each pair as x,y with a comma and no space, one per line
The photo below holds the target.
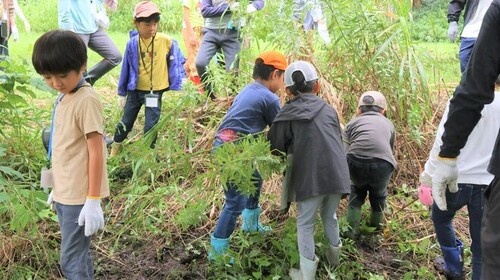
309,129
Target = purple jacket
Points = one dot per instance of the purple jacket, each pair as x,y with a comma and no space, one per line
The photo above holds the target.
130,66
216,8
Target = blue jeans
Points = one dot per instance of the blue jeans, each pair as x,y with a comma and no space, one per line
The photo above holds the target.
466,45
369,176
472,196
135,100
235,203
213,41
76,261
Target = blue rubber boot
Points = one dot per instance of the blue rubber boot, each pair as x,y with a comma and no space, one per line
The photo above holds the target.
219,247
251,221
451,264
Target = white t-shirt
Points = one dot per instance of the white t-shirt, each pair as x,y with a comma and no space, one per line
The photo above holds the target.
475,155
471,29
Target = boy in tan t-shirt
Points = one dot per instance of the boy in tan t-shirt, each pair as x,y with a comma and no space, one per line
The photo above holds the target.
77,148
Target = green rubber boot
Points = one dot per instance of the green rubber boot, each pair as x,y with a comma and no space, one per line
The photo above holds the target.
333,254
353,219
376,219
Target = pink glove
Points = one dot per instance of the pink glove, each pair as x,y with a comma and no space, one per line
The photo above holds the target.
425,194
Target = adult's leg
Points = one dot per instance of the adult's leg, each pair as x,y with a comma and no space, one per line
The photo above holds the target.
231,45
442,220
102,44
452,249
76,261
135,99
192,51
490,232
475,208
466,46
208,47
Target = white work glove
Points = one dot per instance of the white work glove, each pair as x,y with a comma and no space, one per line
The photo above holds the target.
234,6
15,33
92,216
425,179
50,200
122,100
251,9
453,31
445,176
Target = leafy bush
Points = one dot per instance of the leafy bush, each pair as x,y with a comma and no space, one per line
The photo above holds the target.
22,203
431,23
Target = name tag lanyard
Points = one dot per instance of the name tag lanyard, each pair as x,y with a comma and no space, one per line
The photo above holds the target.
151,55
59,98
151,99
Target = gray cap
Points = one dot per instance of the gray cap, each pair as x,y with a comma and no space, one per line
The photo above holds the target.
373,98
306,68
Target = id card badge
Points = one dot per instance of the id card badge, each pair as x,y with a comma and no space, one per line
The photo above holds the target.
152,100
46,180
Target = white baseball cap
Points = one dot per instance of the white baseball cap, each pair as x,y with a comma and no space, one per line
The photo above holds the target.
306,68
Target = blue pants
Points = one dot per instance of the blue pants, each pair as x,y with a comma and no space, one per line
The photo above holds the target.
472,197
490,230
214,40
466,45
135,100
76,261
234,205
369,176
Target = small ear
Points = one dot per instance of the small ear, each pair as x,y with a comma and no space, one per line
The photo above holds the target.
316,87
84,66
275,73
359,111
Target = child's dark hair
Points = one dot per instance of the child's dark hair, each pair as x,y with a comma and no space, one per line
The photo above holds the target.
370,108
300,85
152,18
58,52
263,71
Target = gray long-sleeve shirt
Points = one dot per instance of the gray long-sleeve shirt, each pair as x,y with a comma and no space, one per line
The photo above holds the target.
370,135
